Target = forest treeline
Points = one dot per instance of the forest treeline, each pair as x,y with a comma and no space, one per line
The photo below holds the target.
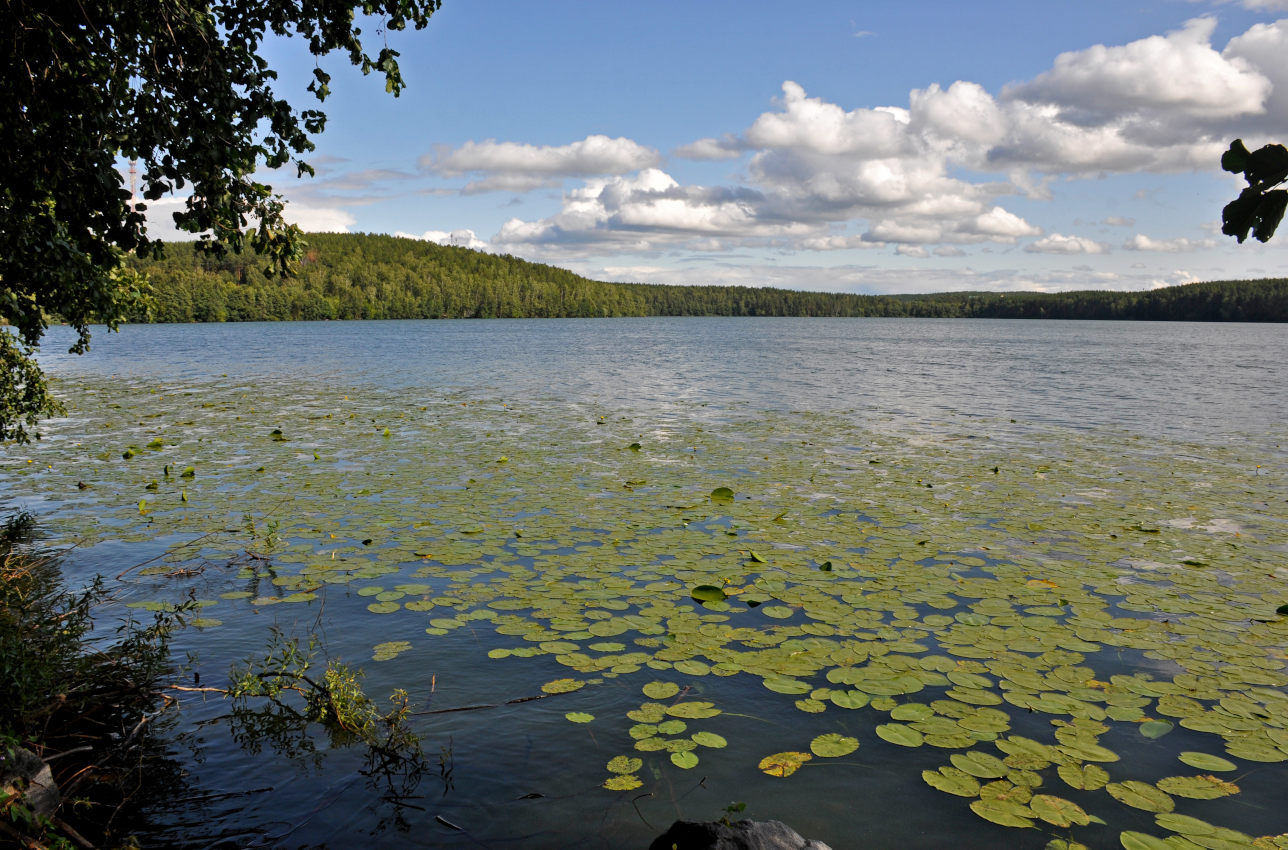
367,276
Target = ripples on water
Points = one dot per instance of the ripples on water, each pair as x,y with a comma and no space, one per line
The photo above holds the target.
1182,380
1012,382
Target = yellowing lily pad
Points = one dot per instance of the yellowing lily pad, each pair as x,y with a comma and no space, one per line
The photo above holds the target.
783,764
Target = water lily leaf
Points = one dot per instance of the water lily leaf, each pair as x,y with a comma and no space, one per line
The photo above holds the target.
622,782
1197,787
708,593
562,686
1003,812
660,690
1058,811
783,685
952,781
383,607
624,764
686,759
1133,840
579,717
697,710
1206,761
1156,728
783,764
848,699
722,494
1087,777
692,667
901,734
1087,751
978,764
710,739
1140,795
390,649
911,712
833,745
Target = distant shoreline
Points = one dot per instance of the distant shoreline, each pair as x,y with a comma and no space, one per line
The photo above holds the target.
364,276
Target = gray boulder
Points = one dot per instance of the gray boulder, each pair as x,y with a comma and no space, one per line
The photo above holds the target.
742,835
24,775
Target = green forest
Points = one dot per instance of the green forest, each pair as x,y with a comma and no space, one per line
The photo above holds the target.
367,276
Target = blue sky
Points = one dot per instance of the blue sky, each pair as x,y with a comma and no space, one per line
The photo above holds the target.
859,147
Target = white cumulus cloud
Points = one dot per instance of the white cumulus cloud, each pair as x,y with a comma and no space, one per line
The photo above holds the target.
1058,243
1180,72
1141,242
516,167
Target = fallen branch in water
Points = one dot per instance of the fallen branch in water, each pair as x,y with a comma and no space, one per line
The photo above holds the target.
479,707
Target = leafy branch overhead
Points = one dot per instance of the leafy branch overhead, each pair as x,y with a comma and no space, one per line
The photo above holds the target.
182,90
1260,207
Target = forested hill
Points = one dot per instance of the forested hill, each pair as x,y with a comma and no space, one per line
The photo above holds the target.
360,276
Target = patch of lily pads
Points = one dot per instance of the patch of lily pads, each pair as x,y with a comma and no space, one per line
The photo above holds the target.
1022,612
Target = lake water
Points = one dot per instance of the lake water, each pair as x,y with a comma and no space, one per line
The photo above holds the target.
949,542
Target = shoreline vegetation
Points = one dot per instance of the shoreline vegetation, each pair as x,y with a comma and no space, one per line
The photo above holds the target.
369,276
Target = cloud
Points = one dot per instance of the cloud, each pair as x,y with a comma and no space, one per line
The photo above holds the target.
1057,243
1180,73
726,147
1141,242
1264,47
815,126
319,219
463,238
933,173
515,167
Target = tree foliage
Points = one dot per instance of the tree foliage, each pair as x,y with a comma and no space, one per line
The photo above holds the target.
1260,207
180,88
367,276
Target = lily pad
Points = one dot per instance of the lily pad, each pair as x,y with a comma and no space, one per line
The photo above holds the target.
1206,761
901,734
624,764
783,764
1140,795
833,745
686,759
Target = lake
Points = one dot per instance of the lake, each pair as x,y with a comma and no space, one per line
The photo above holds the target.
895,582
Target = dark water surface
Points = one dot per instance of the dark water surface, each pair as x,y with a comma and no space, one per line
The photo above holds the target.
834,433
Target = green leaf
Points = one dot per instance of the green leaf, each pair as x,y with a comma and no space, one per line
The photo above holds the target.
1156,728
833,745
708,593
1058,811
579,717
1235,159
898,733
660,690
686,760
722,494
1197,787
1003,812
1132,840
710,739
622,782
950,780
1206,761
624,764
1140,795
